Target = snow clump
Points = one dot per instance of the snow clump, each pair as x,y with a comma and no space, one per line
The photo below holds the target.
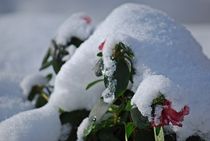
30,81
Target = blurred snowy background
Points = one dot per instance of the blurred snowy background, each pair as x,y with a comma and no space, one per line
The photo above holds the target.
26,27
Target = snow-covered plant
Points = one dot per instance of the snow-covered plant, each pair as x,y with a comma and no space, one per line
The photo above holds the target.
113,117
69,36
56,54
36,88
73,32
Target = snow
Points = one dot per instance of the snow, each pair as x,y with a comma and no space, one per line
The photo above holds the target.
80,131
71,50
35,125
160,84
108,96
10,105
65,130
36,31
78,25
202,35
161,47
31,80
22,50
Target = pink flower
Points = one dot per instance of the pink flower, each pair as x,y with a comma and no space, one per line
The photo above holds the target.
101,46
87,19
169,115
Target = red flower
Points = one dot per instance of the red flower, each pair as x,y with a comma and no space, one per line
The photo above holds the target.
101,46
87,19
169,115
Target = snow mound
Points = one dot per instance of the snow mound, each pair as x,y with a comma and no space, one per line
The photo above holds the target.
80,131
35,125
161,47
65,130
10,105
78,25
31,80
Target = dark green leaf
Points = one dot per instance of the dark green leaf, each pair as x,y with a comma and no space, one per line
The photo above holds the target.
46,65
49,76
57,64
46,57
88,130
159,100
144,135
100,54
93,83
122,76
138,119
75,41
157,129
40,102
74,117
34,91
107,135
128,106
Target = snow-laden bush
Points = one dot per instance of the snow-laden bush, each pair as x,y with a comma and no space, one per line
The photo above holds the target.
140,73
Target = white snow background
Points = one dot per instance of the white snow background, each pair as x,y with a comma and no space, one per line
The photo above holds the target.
25,37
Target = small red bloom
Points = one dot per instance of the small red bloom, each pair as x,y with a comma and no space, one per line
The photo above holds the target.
87,19
101,46
169,115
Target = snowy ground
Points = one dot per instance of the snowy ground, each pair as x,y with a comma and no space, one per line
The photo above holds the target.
23,42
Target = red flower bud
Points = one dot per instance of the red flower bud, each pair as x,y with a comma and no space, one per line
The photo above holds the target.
101,46
87,19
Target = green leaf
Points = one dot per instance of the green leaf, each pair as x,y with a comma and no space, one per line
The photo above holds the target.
129,128
34,91
45,65
158,134
74,117
88,130
100,54
107,135
122,76
46,57
128,106
159,100
57,64
138,119
41,101
49,76
144,135
93,83
98,111
75,41
157,130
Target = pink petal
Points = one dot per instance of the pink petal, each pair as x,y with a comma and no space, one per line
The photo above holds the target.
87,19
169,115
101,46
